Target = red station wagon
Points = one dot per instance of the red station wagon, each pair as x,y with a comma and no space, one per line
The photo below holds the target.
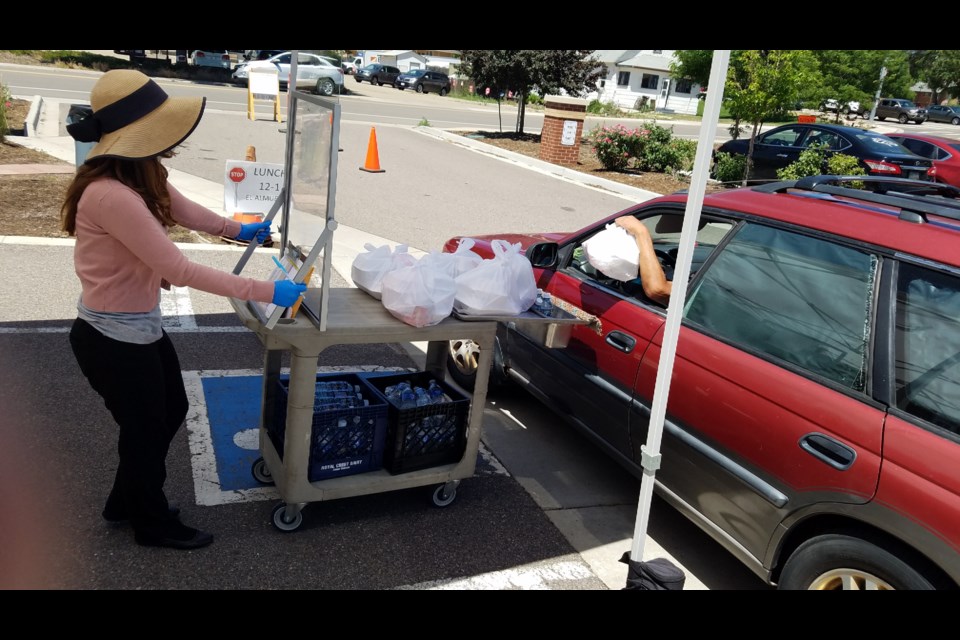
813,424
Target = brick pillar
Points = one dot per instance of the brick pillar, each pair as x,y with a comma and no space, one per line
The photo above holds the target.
562,129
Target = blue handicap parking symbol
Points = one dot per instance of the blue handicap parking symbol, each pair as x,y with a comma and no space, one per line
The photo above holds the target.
233,411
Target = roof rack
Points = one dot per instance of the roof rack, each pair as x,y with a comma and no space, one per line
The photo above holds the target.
915,198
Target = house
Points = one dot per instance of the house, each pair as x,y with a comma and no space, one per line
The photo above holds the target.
640,78
403,59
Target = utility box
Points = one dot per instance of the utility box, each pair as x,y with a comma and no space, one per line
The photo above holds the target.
77,113
562,130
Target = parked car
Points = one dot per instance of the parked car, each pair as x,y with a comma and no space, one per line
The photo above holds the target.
877,154
314,72
349,66
216,58
903,111
851,109
813,421
943,152
944,113
423,81
378,74
261,54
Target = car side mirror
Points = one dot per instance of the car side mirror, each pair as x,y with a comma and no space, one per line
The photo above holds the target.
543,255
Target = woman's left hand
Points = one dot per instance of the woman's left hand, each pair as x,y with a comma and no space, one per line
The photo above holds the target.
260,230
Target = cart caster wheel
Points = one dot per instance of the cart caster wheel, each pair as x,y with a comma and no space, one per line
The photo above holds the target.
261,473
443,496
281,524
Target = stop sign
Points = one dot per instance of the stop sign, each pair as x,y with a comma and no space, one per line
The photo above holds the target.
237,174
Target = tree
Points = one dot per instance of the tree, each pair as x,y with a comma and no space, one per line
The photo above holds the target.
846,74
764,83
939,68
573,71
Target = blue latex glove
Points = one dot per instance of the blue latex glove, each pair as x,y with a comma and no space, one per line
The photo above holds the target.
259,229
287,292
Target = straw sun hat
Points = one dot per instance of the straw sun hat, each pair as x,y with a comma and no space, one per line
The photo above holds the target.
134,118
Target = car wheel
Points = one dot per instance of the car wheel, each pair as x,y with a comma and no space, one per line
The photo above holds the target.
376,80
903,118
325,87
420,88
835,562
358,79
463,358
955,121
444,91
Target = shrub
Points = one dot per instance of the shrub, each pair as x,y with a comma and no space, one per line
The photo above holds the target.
728,167
613,145
815,161
4,103
604,108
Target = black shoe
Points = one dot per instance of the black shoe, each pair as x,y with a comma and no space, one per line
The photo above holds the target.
197,540
113,518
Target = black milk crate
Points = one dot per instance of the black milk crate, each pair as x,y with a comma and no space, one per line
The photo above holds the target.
427,436
343,441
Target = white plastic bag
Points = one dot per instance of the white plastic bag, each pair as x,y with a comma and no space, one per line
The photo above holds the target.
502,285
614,253
459,261
421,294
369,267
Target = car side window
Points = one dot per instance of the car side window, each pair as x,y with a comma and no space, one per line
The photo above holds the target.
285,58
919,147
800,300
828,139
665,232
785,138
927,343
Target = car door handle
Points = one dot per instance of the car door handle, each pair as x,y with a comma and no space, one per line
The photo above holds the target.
829,450
621,341
782,155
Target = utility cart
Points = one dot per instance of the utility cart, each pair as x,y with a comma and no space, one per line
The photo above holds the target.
353,317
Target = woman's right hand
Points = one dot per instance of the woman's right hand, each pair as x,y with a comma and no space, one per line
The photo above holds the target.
286,292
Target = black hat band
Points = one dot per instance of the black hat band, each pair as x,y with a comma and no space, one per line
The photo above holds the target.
121,113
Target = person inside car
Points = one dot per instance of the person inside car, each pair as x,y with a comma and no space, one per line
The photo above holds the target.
653,279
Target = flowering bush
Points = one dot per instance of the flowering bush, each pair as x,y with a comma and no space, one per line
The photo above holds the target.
651,148
613,145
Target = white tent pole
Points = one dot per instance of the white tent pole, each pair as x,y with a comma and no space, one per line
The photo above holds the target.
650,452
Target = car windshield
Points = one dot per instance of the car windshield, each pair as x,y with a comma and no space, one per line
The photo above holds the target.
907,104
880,143
416,72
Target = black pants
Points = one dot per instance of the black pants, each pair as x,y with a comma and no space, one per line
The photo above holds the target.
142,386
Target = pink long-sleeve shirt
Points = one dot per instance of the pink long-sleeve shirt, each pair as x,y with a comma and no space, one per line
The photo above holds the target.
123,254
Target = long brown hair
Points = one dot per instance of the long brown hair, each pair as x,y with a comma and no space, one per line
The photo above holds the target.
148,177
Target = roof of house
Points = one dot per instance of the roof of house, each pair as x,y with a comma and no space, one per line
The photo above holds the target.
647,61
614,56
399,52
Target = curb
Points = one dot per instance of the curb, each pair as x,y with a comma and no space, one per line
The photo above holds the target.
33,117
627,192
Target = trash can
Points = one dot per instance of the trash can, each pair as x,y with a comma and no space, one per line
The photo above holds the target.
77,113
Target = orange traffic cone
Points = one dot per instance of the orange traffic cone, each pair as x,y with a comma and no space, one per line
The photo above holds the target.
372,164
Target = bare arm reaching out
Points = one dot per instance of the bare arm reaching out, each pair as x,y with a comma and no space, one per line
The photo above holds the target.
655,283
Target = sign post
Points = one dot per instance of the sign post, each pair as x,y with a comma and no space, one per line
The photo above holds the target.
263,84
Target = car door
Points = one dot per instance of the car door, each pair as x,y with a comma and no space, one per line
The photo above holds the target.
283,67
590,378
775,150
769,410
308,69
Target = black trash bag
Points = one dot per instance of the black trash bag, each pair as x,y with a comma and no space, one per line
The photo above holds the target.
658,574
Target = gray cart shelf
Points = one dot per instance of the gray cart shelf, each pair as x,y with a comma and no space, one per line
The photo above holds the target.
353,317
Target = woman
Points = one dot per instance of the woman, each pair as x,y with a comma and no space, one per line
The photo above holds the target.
120,207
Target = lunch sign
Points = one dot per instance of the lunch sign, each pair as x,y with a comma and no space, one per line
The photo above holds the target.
251,187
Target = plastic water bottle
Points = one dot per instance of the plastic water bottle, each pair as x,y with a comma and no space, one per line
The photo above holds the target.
546,308
538,303
437,396
408,399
